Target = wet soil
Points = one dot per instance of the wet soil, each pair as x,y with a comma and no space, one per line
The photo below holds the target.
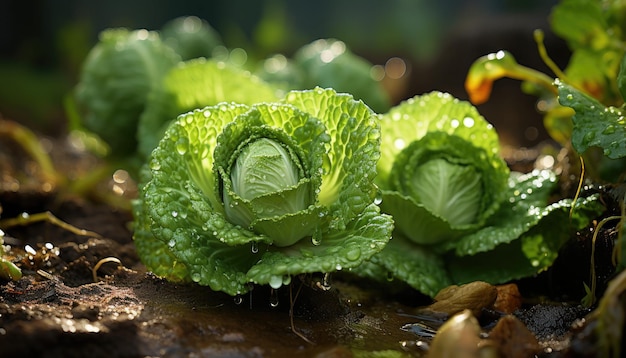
59,309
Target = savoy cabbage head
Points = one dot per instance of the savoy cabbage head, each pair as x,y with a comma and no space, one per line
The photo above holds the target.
460,214
238,194
116,78
440,173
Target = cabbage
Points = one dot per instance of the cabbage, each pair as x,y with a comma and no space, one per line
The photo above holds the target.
437,181
195,84
116,78
459,214
191,37
236,194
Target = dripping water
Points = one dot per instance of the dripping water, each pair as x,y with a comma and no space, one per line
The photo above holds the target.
273,298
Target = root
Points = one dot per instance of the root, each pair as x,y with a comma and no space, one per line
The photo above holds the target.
292,302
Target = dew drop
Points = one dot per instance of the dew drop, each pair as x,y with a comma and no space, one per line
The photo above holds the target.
378,199
238,300
389,276
570,97
196,277
206,113
276,282
174,213
353,254
587,138
468,122
273,298
610,129
315,240
534,263
291,97
171,243
181,146
325,284
254,248
154,165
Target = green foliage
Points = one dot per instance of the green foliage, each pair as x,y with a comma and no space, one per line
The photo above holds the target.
436,178
190,37
198,221
594,31
581,106
195,84
8,270
594,124
329,63
495,231
117,76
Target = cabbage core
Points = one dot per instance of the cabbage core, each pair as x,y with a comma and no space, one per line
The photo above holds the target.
450,191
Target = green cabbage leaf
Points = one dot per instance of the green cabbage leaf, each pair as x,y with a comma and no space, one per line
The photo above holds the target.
191,37
117,76
236,195
460,214
440,172
195,84
329,63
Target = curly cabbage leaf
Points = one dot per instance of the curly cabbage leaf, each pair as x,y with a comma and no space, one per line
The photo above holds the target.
521,239
195,84
430,145
402,261
116,78
594,124
523,207
534,250
311,211
440,172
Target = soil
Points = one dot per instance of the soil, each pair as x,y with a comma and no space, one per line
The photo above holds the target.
58,309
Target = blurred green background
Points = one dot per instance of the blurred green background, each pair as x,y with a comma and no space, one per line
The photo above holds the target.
43,44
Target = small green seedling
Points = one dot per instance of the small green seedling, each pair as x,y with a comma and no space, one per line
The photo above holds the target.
8,270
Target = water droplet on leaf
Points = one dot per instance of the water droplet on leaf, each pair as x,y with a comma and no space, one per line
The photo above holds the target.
610,129
276,282
181,146
353,254
588,137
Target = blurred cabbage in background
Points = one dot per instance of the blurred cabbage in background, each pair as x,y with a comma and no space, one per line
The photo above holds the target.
415,46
